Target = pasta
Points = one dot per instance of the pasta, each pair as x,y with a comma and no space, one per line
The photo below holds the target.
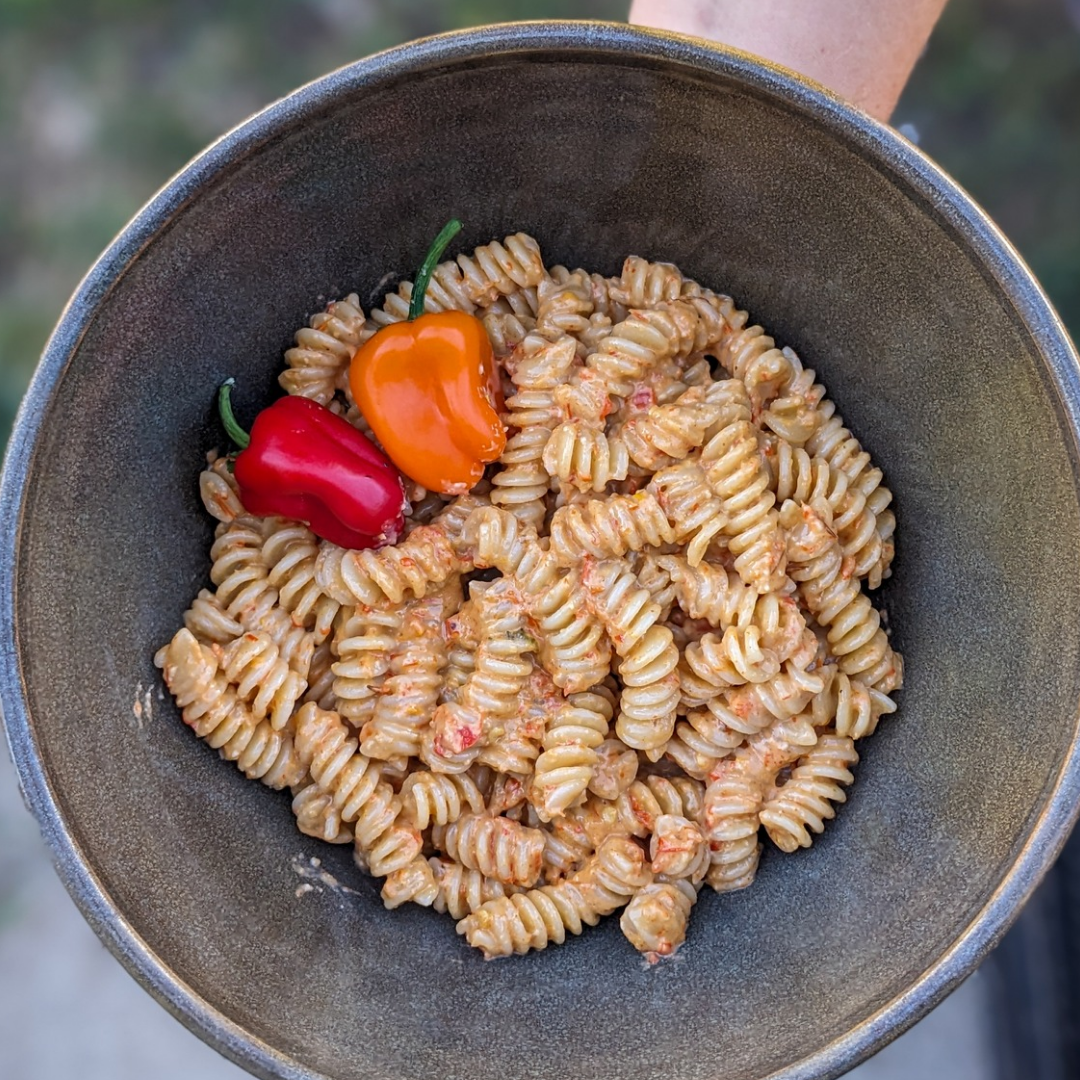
655,920
637,652
488,700
435,799
214,712
317,364
364,643
805,802
385,841
262,679
497,847
565,769
521,485
735,470
409,693
532,920
218,491
290,553
664,434
648,656
609,527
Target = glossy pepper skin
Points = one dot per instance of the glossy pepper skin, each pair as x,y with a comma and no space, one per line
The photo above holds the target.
429,390
305,462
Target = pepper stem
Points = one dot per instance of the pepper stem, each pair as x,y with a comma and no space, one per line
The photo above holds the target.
232,428
423,275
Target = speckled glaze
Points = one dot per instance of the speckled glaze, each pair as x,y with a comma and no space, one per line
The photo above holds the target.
945,358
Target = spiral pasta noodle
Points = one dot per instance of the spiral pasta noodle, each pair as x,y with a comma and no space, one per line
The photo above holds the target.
732,819
565,306
495,846
739,657
655,920
591,682
317,816
321,677
640,342
572,646
502,269
736,471
834,442
365,642
855,709
608,527
462,635
317,364
424,559
411,884
437,799
489,697
678,849
211,708
795,416
664,434
615,770
579,454
242,576
290,553
852,622
530,920
505,330
805,479
219,492
459,890
565,769
612,876
263,680
633,812
648,656
644,284
654,577
806,801
680,796
751,356
408,694
240,573
357,791
703,738
522,483
208,620
694,510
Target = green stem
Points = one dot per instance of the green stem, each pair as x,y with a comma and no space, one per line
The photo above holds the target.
423,275
232,428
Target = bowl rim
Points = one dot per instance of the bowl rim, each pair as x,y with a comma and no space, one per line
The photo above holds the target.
877,142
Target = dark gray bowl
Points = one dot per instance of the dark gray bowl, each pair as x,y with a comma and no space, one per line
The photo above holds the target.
600,140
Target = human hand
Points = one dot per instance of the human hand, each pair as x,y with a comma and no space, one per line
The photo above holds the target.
863,52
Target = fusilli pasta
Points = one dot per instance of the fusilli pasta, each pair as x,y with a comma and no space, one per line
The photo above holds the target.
591,681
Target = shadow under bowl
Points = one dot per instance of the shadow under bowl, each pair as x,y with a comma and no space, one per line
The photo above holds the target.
601,141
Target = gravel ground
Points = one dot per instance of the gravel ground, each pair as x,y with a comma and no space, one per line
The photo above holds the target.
53,966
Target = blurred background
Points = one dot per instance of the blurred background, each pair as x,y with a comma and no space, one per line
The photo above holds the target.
102,100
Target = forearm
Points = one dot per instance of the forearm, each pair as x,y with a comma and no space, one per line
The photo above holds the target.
863,50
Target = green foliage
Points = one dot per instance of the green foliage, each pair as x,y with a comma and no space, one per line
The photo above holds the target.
996,100
102,100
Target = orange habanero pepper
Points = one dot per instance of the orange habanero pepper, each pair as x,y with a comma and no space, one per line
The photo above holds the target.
430,390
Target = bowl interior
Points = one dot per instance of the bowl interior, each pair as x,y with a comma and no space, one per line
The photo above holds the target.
601,150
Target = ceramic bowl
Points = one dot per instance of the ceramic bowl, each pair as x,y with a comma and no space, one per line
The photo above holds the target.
599,140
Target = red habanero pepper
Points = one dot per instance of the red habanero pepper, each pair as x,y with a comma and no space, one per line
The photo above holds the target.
429,388
304,462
